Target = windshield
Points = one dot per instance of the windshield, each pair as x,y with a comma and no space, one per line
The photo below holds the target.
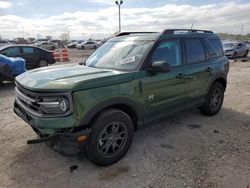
228,45
119,55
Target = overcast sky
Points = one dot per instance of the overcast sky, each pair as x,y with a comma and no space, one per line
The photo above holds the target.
99,18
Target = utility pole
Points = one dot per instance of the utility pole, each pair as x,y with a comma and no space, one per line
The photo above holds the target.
192,26
242,29
119,3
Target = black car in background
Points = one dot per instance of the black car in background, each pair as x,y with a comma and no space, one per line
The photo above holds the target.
34,56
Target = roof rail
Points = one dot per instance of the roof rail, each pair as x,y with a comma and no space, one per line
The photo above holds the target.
129,33
172,31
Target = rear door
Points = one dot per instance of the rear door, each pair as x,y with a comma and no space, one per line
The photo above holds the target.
200,69
31,57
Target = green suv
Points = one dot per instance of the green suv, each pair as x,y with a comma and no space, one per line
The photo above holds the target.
130,82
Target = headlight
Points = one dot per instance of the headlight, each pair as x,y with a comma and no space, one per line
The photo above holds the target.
54,105
64,104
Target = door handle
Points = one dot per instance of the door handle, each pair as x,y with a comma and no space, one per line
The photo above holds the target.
189,77
182,76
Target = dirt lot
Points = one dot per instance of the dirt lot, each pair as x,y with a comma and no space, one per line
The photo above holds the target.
187,150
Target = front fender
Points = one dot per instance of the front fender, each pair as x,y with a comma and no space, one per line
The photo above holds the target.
135,106
90,102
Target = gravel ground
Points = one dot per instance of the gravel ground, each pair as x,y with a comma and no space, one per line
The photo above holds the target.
186,150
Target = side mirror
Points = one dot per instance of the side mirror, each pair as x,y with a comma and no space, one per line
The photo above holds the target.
83,62
160,66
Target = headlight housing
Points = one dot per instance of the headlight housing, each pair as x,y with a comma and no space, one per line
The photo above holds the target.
54,105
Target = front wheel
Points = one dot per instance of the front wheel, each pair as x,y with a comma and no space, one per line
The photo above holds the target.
111,137
214,100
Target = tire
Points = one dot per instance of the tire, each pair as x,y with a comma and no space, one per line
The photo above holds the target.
246,53
82,47
43,63
214,100
104,147
95,47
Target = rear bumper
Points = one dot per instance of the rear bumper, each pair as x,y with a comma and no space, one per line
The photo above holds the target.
66,142
52,61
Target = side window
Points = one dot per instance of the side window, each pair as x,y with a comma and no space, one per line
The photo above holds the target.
211,50
27,50
216,44
170,51
12,51
194,51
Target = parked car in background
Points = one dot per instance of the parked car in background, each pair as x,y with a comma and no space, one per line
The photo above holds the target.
87,45
40,40
46,45
4,43
34,56
73,44
58,43
11,67
235,49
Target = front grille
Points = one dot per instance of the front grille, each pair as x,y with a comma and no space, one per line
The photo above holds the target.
29,100
34,102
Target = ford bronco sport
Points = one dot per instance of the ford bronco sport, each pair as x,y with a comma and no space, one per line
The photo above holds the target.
128,83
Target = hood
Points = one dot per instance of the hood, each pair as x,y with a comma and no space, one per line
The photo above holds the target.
71,78
228,48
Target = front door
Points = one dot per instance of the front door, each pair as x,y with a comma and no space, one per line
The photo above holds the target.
13,51
31,57
162,92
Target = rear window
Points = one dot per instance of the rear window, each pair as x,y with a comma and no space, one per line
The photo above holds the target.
27,50
216,44
194,51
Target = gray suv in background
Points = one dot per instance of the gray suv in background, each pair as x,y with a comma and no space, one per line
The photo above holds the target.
235,49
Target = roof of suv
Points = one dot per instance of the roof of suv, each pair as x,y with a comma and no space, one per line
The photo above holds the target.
151,36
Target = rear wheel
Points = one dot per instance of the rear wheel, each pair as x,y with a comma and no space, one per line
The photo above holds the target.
214,100
82,47
111,137
43,63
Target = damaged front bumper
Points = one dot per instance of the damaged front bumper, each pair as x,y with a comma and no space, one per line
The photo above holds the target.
66,142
